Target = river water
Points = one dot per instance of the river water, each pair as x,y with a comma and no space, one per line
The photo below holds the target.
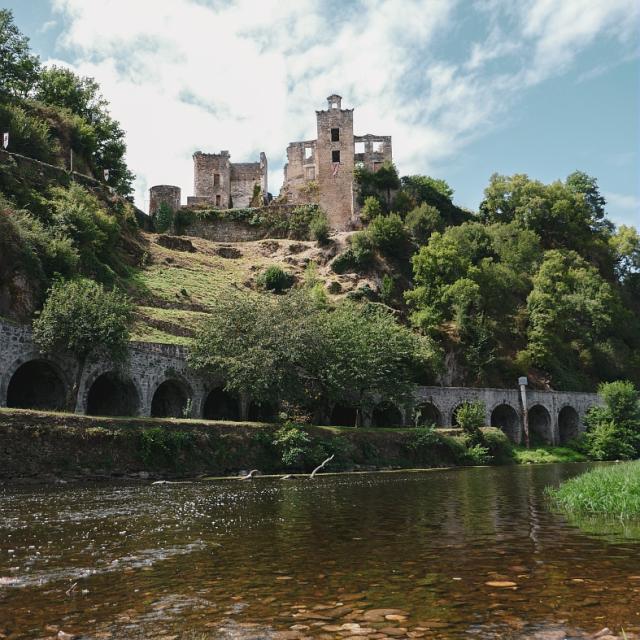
312,559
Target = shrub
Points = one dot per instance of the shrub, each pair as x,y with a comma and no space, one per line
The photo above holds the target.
29,135
319,228
386,288
471,419
164,218
294,445
477,454
275,278
387,233
498,444
423,221
357,257
371,209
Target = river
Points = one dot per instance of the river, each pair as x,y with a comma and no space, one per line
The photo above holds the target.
461,553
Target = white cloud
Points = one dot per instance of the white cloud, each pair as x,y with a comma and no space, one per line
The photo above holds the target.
623,208
247,76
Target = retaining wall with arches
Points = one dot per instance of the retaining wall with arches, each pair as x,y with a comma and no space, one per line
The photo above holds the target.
156,381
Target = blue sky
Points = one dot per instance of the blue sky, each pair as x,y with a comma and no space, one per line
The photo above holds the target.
466,88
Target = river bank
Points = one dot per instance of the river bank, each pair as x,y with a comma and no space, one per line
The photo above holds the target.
37,446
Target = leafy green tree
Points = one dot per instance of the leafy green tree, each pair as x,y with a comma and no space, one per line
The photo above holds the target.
613,430
470,417
427,190
388,234
164,218
81,96
571,308
587,186
83,319
18,66
422,221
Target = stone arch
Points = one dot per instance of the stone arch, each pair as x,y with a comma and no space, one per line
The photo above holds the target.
343,416
220,405
112,394
427,413
386,414
505,417
262,411
171,399
540,426
568,424
37,384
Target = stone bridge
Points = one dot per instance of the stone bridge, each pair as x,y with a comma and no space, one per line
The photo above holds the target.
156,381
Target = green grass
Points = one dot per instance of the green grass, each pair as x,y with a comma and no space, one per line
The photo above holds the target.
542,455
611,491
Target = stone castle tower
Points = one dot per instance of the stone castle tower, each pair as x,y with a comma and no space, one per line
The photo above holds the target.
321,170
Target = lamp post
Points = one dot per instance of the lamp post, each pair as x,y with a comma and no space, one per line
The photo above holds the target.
523,382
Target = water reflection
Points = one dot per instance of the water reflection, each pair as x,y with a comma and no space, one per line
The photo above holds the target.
244,560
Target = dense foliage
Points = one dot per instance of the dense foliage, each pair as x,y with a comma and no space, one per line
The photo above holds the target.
84,320
49,111
613,430
290,348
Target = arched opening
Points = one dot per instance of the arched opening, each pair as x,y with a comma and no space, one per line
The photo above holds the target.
505,417
427,414
569,424
36,385
344,416
262,412
386,414
171,400
112,395
540,425
221,405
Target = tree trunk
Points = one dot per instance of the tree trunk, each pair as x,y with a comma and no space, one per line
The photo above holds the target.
72,396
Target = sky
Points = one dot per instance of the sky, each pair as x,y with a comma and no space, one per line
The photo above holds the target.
466,88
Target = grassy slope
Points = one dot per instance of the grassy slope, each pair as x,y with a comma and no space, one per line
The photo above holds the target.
540,455
176,289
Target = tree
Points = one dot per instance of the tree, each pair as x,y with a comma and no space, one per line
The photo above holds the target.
18,67
422,221
81,96
571,309
580,183
81,318
367,355
613,430
388,235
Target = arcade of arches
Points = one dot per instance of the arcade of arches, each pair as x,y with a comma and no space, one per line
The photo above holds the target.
37,384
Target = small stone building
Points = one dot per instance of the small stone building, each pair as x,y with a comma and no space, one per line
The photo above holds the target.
321,170
226,184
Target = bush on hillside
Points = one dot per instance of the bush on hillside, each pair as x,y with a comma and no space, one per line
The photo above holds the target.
319,228
423,221
275,278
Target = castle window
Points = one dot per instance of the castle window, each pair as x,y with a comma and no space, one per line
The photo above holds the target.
310,173
216,179
376,166
335,156
335,135
359,146
308,153
218,200
378,146
334,105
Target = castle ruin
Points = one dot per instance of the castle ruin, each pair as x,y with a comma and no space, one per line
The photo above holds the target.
322,169
317,171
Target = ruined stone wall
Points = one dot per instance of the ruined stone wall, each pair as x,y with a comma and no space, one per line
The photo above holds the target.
300,170
244,177
335,180
212,177
372,151
166,193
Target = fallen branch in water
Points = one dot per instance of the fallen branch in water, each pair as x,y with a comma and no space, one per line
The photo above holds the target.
329,459
250,475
